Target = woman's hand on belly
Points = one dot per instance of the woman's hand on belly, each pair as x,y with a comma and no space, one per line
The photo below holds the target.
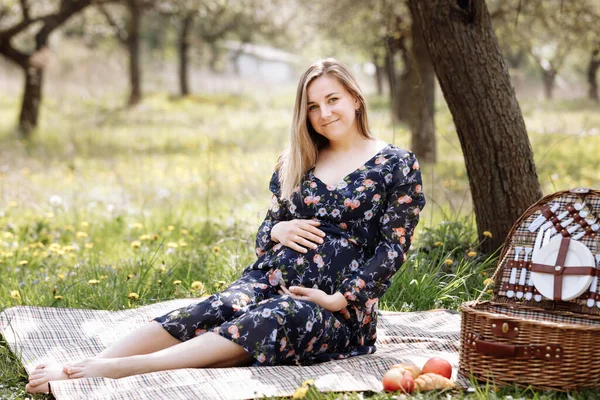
331,302
298,234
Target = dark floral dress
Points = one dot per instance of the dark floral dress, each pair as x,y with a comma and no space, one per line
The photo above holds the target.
369,218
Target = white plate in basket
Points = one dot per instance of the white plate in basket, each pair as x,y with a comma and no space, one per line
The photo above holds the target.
573,286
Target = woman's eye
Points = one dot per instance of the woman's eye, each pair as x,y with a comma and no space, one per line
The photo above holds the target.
333,99
312,107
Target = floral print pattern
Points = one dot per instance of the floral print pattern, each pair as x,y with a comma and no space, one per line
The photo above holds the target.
368,218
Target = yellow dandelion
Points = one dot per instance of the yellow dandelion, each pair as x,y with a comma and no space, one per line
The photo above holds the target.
23,262
84,224
130,276
44,254
197,285
133,296
137,226
8,235
68,249
60,252
220,284
155,236
103,277
487,234
89,245
484,273
145,237
136,244
300,393
216,249
184,232
171,227
472,253
308,382
490,291
58,297
69,228
49,215
54,247
93,281
172,245
1,261
8,254
61,276
15,294
488,281
182,243
81,235
177,282
448,261
438,244
159,281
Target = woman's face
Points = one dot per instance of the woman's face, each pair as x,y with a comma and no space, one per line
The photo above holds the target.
331,109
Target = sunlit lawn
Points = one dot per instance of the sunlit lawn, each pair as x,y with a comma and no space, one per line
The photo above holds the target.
111,208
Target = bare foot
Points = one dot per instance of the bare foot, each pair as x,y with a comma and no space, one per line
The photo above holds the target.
95,367
44,373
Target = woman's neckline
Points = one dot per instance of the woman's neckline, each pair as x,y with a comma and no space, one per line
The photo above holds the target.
311,171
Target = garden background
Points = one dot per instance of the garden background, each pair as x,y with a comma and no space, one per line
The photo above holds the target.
137,139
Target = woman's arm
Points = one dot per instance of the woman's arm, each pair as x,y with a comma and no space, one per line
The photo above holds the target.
277,212
405,200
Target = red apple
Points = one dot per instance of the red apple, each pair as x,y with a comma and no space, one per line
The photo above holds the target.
398,379
438,366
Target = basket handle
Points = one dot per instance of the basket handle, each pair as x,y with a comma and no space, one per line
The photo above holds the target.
548,352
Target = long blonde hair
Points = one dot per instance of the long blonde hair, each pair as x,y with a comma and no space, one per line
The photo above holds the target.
305,142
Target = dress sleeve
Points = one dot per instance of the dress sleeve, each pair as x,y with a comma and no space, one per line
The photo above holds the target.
277,212
405,200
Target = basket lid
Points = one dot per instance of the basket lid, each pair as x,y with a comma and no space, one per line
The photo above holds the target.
551,256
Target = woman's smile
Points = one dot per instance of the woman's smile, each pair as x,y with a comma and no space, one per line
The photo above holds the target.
329,123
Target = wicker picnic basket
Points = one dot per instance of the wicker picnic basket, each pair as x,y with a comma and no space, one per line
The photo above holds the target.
542,325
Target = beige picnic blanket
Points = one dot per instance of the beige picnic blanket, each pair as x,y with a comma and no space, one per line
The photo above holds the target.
38,334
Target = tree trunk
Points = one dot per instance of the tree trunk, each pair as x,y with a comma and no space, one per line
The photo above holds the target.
379,74
390,71
133,47
549,78
414,97
591,75
32,98
476,85
214,56
423,142
184,45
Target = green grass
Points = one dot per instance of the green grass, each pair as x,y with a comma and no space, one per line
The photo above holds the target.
111,209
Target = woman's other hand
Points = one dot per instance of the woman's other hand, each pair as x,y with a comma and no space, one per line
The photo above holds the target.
331,302
298,234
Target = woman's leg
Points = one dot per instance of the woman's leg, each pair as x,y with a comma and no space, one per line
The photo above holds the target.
202,351
148,339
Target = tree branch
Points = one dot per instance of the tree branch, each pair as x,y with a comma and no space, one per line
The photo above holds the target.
50,19
13,54
51,22
7,34
25,9
122,33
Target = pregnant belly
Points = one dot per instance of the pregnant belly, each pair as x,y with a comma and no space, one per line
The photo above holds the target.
323,267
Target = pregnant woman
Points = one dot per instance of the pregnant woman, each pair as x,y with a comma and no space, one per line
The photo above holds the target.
341,219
